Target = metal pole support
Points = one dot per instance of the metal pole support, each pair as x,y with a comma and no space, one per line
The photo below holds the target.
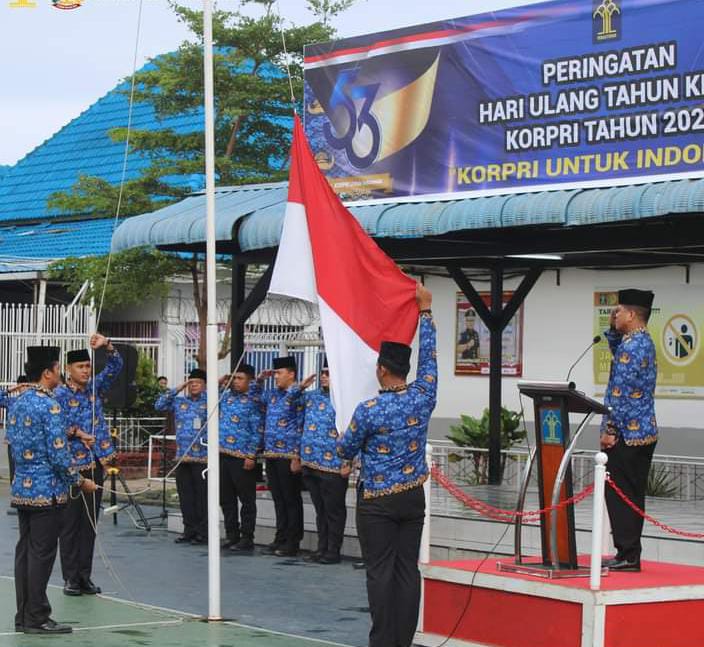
424,555
600,461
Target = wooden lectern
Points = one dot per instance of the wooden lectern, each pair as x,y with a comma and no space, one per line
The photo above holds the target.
553,402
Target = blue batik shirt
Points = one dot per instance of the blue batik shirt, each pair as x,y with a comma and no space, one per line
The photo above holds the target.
282,433
81,406
631,389
241,425
43,463
190,418
391,429
319,433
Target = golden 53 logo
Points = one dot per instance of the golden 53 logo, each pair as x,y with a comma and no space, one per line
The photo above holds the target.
57,4
371,121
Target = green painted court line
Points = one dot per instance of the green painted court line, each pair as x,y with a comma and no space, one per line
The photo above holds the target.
136,623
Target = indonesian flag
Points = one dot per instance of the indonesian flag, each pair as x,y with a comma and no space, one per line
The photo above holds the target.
325,257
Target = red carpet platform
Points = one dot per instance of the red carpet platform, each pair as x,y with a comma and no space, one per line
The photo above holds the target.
663,606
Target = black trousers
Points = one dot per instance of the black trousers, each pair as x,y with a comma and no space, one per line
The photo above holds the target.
629,467
237,483
328,491
193,498
34,560
77,540
285,488
390,529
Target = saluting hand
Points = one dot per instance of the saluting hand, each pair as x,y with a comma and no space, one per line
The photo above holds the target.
98,341
424,297
308,381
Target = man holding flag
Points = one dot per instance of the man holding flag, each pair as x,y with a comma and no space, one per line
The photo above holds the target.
369,315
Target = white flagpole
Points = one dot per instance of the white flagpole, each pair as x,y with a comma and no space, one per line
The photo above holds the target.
212,332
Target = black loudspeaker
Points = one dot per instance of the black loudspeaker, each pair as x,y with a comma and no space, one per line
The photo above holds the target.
123,392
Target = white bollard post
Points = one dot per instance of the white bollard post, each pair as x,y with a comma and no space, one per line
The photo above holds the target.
600,461
424,555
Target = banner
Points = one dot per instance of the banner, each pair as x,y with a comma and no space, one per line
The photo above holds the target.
676,326
472,340
565,94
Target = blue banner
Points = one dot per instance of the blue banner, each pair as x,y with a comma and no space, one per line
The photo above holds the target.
562,94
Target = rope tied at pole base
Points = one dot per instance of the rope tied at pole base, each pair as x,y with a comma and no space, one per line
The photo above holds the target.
500,514
642,513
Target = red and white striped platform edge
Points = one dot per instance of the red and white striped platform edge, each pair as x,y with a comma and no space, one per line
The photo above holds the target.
662,606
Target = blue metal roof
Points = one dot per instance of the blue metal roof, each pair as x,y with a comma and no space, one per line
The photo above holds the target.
35,245
83,147
262,208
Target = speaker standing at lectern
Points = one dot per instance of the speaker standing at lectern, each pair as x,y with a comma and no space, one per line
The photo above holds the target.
92,449
629,432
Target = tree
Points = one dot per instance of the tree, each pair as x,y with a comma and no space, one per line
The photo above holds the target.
252,129
136,275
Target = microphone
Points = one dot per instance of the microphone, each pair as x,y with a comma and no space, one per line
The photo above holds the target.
595,341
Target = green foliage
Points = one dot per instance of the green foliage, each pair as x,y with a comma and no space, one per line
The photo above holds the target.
474,432
660,483
252,107
136,275
147,386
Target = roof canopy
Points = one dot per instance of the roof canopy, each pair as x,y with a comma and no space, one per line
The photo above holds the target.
633,225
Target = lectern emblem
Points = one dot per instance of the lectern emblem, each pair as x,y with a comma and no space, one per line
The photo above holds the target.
551,426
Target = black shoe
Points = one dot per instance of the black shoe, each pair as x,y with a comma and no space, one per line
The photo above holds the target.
19,629
88,588
286,551
243,546
330,558
199,540
626,566
270,549
314,557
183,539
611,561
72,588
359,566
49,627
230,542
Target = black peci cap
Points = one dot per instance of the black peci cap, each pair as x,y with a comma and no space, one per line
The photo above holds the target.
285,362
198,374
81,355
632,297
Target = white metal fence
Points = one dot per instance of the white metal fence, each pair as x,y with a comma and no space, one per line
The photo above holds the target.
23,325
675,477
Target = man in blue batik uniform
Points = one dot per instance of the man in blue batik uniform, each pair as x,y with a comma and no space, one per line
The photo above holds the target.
321,471
241,439
190,417
40,488
282,442
7,397
92,448
629,432
391,432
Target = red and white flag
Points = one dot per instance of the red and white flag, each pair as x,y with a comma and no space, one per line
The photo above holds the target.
325,257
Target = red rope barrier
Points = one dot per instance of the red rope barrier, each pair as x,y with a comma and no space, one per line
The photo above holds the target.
647,517
500,514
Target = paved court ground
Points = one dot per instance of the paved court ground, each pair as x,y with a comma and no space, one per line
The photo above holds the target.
267,600
115,623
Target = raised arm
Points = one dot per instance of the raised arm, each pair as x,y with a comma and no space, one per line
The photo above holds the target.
106,378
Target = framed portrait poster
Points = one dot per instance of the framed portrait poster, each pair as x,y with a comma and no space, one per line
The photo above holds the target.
472,340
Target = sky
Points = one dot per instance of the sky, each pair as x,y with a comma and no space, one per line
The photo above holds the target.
57,63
